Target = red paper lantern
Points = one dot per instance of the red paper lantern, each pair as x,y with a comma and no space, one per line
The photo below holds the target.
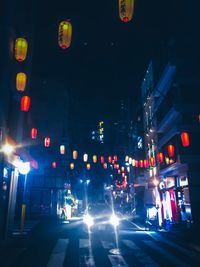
170,150
185,139
136,163
152,161
53,164
47,141
110,159
146,163
105,165
141,163
102,159
115,157
25,103
33,133
160,157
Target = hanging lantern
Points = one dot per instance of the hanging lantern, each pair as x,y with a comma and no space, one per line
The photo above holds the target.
130,160
133,162
115,166
141,163
33,133
185,139
115,158
110,159
126,10
53,164
47,141
94,158
21,46
85,157
170,150
105,165
88,166
128,169
25,103
146,163
71,166
136,163
102,159
160,157
75,154
62,149
119,171
152,161
199,118
123,174
21,81
122,169
127,158
64,34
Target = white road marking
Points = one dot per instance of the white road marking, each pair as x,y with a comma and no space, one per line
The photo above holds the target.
84,243
86,261
117,261
58,255
107,245
142,257
168,255
185,251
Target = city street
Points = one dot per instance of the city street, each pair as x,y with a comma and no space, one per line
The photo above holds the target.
57,243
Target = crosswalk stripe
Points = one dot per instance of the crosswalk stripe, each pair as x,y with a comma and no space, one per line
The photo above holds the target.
86,261
185,251
142,257
166,254
107,245
58,255
117,261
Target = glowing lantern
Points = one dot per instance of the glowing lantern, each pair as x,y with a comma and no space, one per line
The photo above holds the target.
62,149
115,166
133,162
160,157
136,163
88,166
110,159
105,165
53,164
185,139
33,133
126,10
119,171
64,34
21,47
126,158
25,103
199,118
94,158
123,174
141,163
75,154
21,81
115,158
128,169
47,141
130,161
122,169
170,150
146,163
152,161
85,157
102,159
72,166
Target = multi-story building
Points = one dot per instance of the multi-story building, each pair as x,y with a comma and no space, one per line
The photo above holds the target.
171,110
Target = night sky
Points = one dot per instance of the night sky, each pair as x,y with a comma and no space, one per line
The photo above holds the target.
107,58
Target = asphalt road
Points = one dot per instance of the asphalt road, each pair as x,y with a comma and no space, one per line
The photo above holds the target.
59,244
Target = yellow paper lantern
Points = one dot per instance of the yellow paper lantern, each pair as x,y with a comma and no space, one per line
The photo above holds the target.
64,34
62,149
126,10
21,47
75,154
72,166
94,158
21,81
88,166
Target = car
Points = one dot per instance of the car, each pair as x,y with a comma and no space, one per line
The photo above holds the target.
100,217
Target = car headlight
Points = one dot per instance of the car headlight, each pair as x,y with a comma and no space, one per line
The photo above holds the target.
87,219
114,220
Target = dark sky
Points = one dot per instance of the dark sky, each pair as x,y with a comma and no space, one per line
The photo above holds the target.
107,58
